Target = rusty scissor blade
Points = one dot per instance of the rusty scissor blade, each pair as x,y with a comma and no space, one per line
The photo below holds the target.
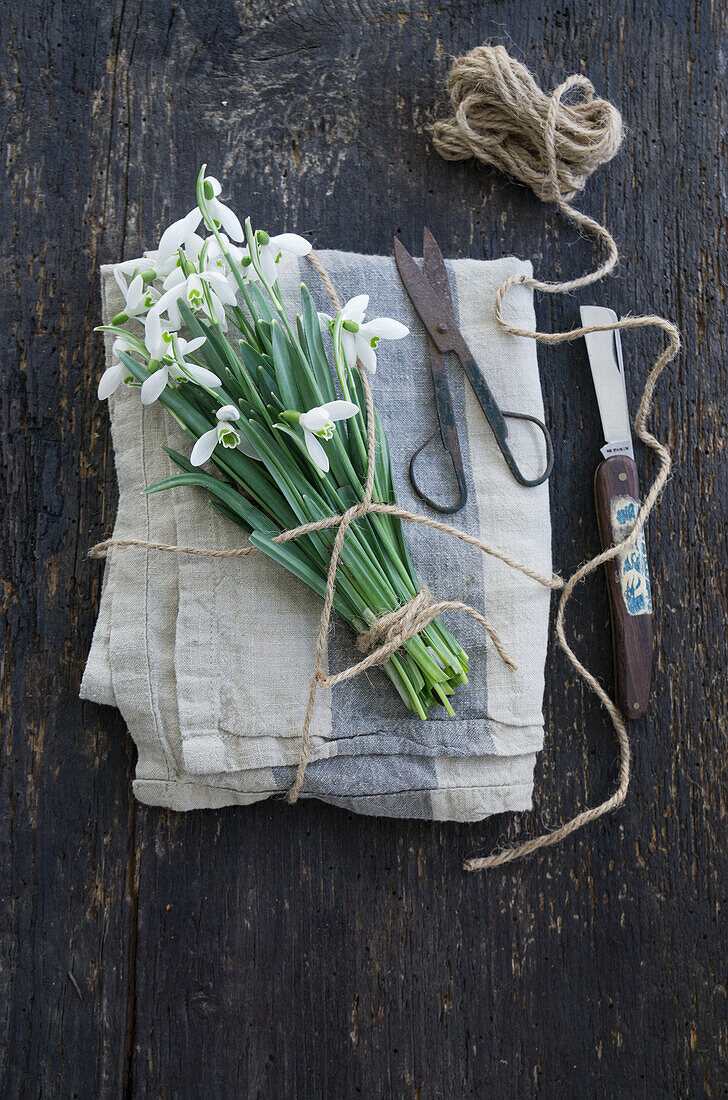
434,314
437,317
433,265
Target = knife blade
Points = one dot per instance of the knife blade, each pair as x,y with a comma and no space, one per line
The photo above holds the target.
617,496
607,368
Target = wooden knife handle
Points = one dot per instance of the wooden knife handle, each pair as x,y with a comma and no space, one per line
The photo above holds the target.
617,493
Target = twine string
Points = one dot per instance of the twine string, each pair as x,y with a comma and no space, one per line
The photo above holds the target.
101,549
503,119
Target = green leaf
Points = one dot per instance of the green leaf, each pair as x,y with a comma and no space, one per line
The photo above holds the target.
361,568
265,311
262,331
315,345
180,460
266,383
252,358
233,500
287,387
382,461
252,362
229,514
301,334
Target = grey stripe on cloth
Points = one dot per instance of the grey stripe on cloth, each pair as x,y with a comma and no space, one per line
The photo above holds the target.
216,714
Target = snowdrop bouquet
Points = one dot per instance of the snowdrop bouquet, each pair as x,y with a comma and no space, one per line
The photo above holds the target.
276,444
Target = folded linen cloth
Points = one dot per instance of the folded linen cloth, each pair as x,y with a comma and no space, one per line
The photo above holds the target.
209,660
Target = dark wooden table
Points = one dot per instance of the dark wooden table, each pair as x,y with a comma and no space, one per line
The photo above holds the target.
277,951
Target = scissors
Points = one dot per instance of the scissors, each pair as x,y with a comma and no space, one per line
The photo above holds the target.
430,293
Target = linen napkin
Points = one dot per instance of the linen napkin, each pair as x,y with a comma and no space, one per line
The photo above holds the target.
209,660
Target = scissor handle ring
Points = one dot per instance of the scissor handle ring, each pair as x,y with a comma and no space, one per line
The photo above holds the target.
445,510
529,483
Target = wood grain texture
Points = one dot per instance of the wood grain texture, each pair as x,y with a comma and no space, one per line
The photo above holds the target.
302,951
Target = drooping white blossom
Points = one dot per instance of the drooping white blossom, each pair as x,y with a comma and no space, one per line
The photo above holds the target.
180,234
114,375
224,218
359,338
223,434
320,423
213,258
125,271
272,252
169,349
158,337
139,297
264,252
191,290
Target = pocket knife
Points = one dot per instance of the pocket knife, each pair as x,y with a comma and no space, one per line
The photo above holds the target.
617,494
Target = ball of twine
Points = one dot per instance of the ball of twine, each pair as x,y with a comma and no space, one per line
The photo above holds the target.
502,118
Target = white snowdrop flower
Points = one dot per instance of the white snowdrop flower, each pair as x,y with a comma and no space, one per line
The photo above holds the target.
125,271
223,434
139,298
271,251
264,252
320,423
114,375
213,259
169,349
223,217
190,288
359,338
181,234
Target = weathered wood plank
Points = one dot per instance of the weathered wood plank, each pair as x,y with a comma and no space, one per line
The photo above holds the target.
306,952
67,813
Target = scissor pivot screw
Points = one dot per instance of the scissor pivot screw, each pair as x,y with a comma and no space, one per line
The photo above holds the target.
442,327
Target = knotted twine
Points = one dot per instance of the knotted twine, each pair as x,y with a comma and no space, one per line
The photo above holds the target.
503,119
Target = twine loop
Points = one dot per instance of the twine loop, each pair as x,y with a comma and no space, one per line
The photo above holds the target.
388,633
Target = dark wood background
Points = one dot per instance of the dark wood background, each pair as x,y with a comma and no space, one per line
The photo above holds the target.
305,952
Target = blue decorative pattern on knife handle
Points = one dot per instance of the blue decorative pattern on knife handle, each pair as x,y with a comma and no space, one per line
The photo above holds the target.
634,577
616,489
